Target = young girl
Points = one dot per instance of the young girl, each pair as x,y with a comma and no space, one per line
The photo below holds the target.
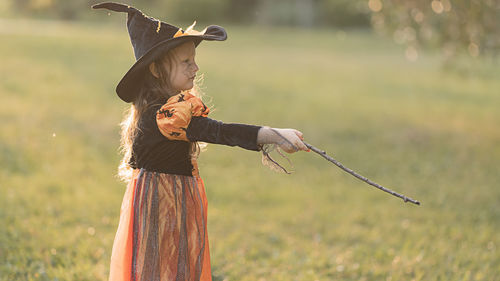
162,233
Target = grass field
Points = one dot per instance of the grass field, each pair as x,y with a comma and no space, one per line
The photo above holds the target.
429,134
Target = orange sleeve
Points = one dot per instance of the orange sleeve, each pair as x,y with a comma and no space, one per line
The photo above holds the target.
174,117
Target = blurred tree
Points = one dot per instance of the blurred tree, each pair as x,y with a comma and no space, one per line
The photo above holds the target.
62,9
346,13
285,12
20,5
241,10
68,10
186,10
454,26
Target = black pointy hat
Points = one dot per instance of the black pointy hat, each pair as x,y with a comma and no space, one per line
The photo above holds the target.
150,39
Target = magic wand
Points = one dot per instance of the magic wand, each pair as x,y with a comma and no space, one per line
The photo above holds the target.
338,164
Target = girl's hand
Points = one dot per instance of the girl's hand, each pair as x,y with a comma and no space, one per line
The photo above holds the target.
290,140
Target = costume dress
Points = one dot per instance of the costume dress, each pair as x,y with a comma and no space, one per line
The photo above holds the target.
162,233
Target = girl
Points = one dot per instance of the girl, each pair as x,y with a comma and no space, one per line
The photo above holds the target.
162,233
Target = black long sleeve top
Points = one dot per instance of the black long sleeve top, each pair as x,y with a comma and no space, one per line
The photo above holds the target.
154,152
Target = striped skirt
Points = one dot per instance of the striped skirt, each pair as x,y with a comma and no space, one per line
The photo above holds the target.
162,234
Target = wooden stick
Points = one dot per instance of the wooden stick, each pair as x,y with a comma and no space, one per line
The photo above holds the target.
338,164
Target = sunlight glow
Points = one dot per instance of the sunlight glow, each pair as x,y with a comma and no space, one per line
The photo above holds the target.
437,7
473,49
411,53
375,5
417,15
446,5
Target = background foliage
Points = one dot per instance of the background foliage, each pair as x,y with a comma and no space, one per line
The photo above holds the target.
288,12
455,27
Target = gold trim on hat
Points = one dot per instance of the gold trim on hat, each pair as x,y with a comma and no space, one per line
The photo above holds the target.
158,28
189,31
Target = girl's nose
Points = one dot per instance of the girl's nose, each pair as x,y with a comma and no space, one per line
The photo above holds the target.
195,67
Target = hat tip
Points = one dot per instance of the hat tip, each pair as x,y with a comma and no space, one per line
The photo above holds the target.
113,6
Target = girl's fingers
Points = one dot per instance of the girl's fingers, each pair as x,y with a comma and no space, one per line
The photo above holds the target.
294,141
299,145
299,134
302,146
290,147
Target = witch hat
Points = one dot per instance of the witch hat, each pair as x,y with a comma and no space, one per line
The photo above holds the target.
151,38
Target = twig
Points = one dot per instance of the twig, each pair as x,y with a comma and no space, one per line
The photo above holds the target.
338,164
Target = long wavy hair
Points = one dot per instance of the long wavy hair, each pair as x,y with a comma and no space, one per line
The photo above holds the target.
152,90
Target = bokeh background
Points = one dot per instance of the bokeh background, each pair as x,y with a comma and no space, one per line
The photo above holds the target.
406,93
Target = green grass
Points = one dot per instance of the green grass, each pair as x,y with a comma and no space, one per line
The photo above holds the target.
429,134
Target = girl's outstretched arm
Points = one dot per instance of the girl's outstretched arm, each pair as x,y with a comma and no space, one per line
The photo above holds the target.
290,140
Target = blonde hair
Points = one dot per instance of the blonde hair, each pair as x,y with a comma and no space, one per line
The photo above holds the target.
152,90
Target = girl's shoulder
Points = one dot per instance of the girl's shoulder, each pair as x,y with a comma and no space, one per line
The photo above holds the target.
185,102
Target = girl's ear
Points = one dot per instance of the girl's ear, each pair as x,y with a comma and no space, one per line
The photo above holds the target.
153,70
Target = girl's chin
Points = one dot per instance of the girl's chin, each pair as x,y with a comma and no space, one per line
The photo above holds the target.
186,86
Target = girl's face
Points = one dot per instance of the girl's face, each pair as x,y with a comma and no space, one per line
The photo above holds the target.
183,69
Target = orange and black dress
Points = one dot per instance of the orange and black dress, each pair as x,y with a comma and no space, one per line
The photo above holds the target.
162,233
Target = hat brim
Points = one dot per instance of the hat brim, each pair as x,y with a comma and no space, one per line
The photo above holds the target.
131,83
